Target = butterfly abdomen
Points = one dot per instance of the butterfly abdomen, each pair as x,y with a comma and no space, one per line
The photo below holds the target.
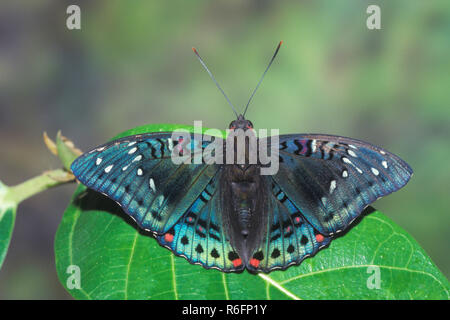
243,203
242,208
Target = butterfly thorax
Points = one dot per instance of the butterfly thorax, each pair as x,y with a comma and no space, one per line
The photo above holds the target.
241,144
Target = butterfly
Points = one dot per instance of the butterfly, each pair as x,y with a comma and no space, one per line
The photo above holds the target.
228,216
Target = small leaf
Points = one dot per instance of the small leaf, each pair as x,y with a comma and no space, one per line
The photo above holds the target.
51,145
7,218
376,259
67,152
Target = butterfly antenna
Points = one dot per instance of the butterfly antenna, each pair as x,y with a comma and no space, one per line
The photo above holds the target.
215,81
262,77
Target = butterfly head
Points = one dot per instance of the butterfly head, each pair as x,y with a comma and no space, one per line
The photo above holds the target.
241,123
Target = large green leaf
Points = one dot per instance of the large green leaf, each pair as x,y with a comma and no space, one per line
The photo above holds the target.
7,218
117,261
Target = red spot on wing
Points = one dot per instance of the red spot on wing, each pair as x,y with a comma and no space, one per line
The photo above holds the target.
168,237
237,262
254,262
319,237
297,219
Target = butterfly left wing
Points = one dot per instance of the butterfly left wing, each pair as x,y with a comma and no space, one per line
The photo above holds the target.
331,179
138,172
179,203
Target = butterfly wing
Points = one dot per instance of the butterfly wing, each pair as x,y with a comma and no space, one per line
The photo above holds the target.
331,179
289,237
200,234
323,183
138,173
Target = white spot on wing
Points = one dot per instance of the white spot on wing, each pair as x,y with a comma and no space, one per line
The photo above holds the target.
132,143
349,162
152,185
332,186
382,152
350,152
98,161
108,168
313,145
352,146
132,150
100,149
346,160
345,174
138,158
170,144
384,163
375,171
160,200
139,172
125,168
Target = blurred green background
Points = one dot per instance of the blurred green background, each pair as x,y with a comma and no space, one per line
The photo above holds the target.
132,64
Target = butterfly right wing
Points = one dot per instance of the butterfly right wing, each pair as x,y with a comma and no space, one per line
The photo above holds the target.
200,236
289,237
331,179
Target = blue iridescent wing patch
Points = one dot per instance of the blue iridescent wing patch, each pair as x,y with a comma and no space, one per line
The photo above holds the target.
230,218
138,173
331,179
289,237
200,237
179,203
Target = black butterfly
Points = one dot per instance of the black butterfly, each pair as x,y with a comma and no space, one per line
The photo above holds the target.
229,216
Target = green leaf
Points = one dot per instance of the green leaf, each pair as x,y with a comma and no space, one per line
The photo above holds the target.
117,261
7,218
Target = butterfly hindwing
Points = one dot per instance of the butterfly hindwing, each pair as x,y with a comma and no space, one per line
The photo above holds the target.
139,174
289,237
332,179
199,235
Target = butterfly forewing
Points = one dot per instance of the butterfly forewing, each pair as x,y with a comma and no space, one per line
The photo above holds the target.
332,179
139,174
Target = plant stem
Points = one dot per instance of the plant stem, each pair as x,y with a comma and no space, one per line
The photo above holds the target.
29,188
